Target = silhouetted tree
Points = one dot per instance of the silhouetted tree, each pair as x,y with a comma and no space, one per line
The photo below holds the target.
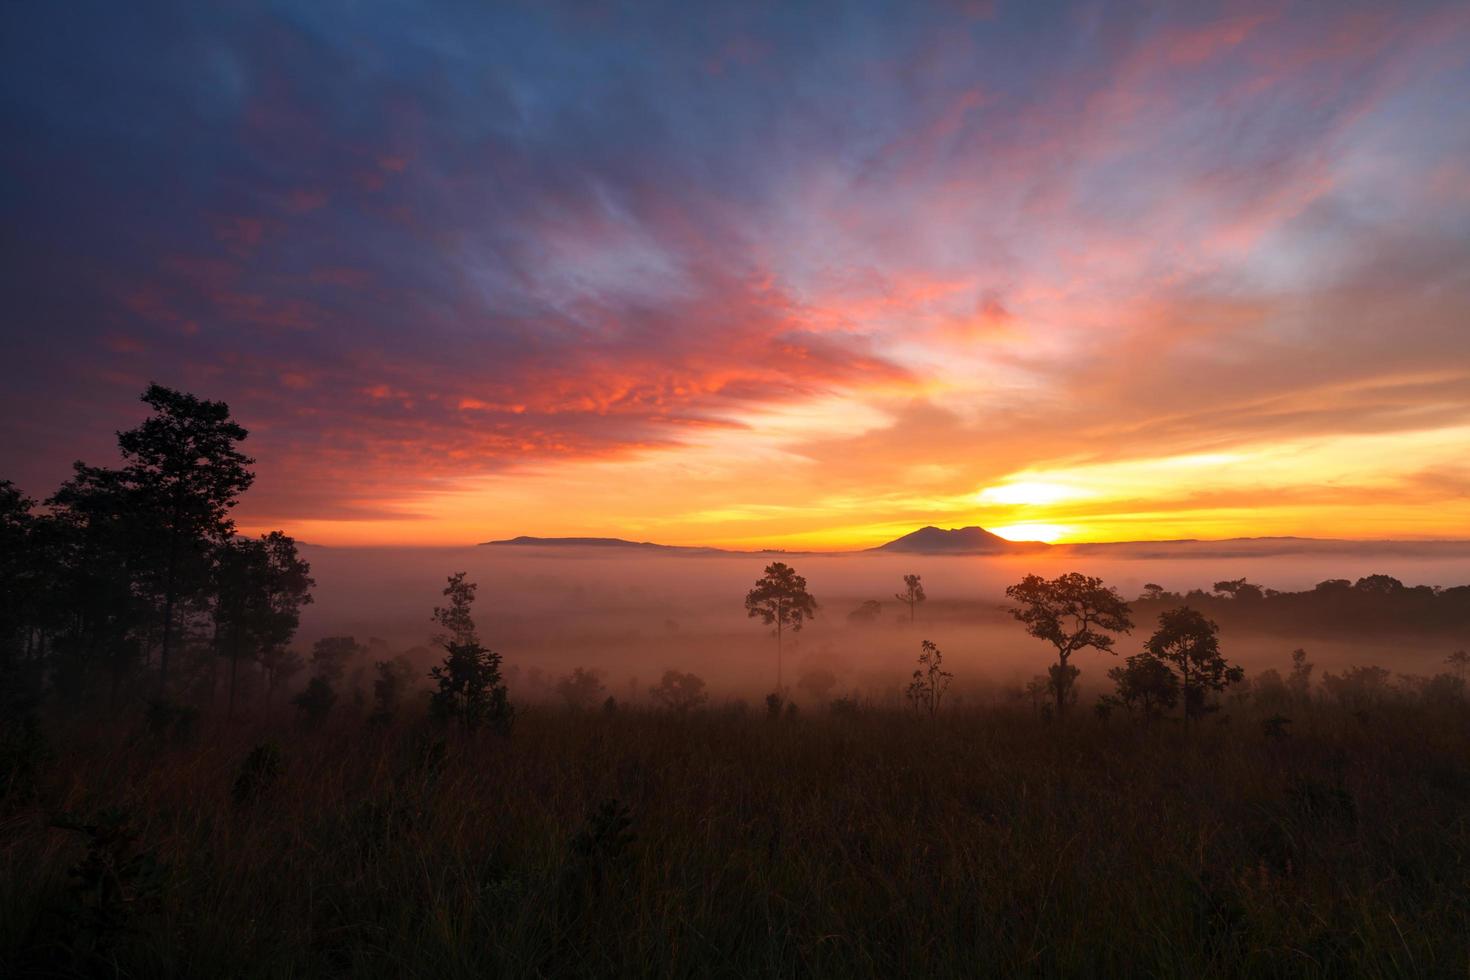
780,598
1069,612
1378,585
280,665
912,594
1268,688
1359,687
315,700
456,618
1151,592
1239,589
1190,643
581,689
867,611
182,475
389,687
1299,683
930,680
1146,685
470,688
680,692
1459,663
261,586
94,545
331,656
17,577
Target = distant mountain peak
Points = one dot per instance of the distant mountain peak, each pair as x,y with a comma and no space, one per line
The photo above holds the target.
971,540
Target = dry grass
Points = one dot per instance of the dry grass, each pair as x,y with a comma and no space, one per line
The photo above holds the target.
987,843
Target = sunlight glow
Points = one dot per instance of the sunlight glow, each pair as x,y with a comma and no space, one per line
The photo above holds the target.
1030,492
1033,532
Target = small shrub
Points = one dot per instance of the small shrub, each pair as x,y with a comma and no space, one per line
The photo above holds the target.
23,756
258,773
115,882
171,719
315,701
679,691
1275,727
599,846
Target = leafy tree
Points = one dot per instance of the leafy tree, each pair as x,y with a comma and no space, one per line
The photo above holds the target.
1069,612
1269,688
817,684
280,665
780,598
1146,685
679,692
182,475
93,542
331,656
315,700
389,687
17,523
261,586
1299,683
1358,687
1459,662
1152,592
930,680
1378,585
581,689
1239,589
912,594
1444,690
1190,643
457,619
470,691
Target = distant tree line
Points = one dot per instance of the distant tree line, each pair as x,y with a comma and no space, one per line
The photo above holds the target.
1333,606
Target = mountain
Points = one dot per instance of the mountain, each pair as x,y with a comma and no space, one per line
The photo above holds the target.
978,541
957,541
526,540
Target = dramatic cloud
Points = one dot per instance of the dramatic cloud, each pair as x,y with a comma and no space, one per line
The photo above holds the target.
754,274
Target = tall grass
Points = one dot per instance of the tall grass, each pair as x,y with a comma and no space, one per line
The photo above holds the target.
723,843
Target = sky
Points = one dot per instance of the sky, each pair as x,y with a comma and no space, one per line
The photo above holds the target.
754,275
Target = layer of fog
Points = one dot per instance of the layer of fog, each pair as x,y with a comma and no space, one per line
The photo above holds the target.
633,615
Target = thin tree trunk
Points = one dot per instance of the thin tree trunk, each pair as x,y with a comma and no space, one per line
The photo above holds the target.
166,644
1061,690
778,655
234,669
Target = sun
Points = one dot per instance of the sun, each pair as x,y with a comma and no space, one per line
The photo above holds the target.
1048,533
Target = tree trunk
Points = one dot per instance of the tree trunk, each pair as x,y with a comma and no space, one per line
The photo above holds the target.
778,655
166,643
1061,687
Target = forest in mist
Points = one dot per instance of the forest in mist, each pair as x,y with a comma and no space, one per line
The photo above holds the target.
632,615
233,755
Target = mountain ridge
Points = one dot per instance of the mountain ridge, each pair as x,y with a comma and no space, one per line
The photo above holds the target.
974,540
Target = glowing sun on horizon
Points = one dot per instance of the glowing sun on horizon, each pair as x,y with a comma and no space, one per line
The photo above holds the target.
1032,532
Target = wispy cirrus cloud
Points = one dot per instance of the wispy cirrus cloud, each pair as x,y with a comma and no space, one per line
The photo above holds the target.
459,270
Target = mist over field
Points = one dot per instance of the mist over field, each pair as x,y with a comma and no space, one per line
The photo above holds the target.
633,615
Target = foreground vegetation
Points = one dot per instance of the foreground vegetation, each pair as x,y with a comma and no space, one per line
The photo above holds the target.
723,842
